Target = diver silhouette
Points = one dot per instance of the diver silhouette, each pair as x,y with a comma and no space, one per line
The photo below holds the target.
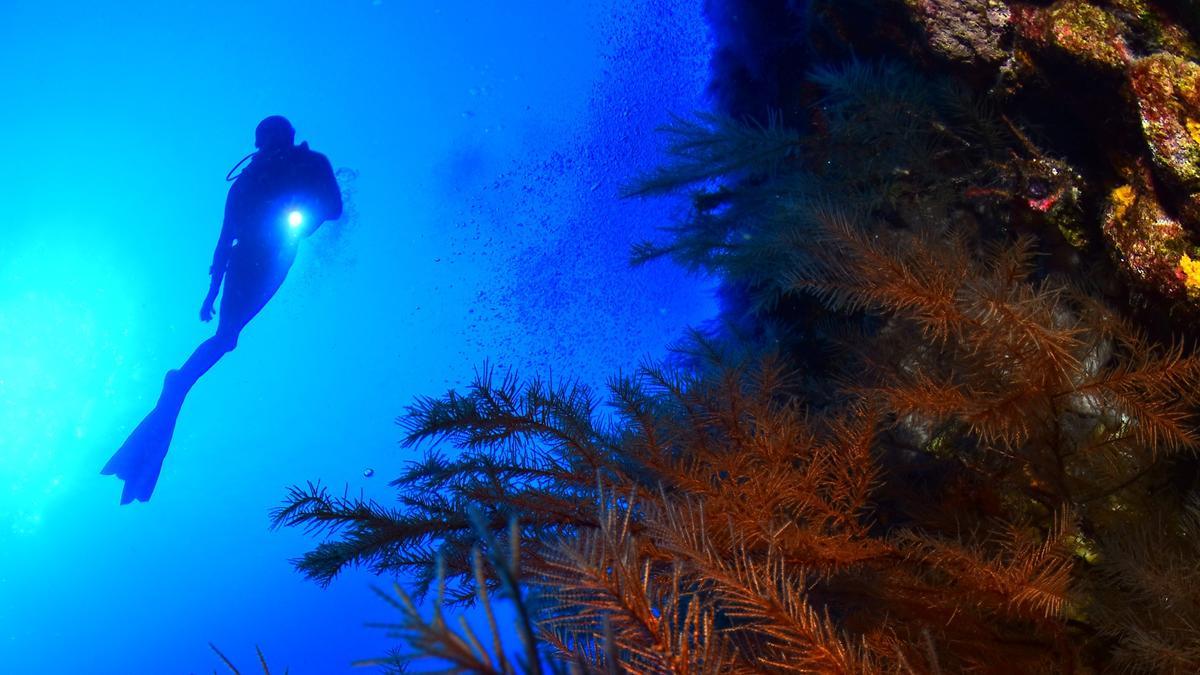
282,196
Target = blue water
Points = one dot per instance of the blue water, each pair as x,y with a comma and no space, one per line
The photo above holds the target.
483,146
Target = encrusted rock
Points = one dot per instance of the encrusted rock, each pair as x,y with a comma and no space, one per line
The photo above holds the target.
970,31
1189,210
1167,91
1107,85
1149,245
1154,29
1075,30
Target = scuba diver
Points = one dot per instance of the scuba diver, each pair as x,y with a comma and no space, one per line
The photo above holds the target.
282,196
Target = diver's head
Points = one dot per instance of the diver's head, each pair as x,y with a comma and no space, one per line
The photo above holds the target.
274,132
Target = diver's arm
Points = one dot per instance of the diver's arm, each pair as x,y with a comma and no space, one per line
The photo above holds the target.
219,263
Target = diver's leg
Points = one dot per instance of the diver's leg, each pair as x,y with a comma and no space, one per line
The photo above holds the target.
139,460
248,288
232,319
180,382
239,280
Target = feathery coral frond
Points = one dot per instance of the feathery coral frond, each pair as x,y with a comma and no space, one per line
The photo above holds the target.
945,461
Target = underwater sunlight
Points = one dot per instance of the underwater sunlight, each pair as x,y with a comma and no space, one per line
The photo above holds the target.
641,336
69,340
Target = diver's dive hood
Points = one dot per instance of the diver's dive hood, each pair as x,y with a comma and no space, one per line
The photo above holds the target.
272,133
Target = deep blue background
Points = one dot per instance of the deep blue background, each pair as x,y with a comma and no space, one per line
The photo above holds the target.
486,144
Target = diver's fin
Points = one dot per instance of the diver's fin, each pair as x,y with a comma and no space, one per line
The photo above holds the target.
139,459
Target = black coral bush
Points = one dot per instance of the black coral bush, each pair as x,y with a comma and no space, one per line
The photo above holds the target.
937,452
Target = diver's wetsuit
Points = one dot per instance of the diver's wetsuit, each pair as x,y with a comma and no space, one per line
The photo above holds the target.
257,246
254,253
